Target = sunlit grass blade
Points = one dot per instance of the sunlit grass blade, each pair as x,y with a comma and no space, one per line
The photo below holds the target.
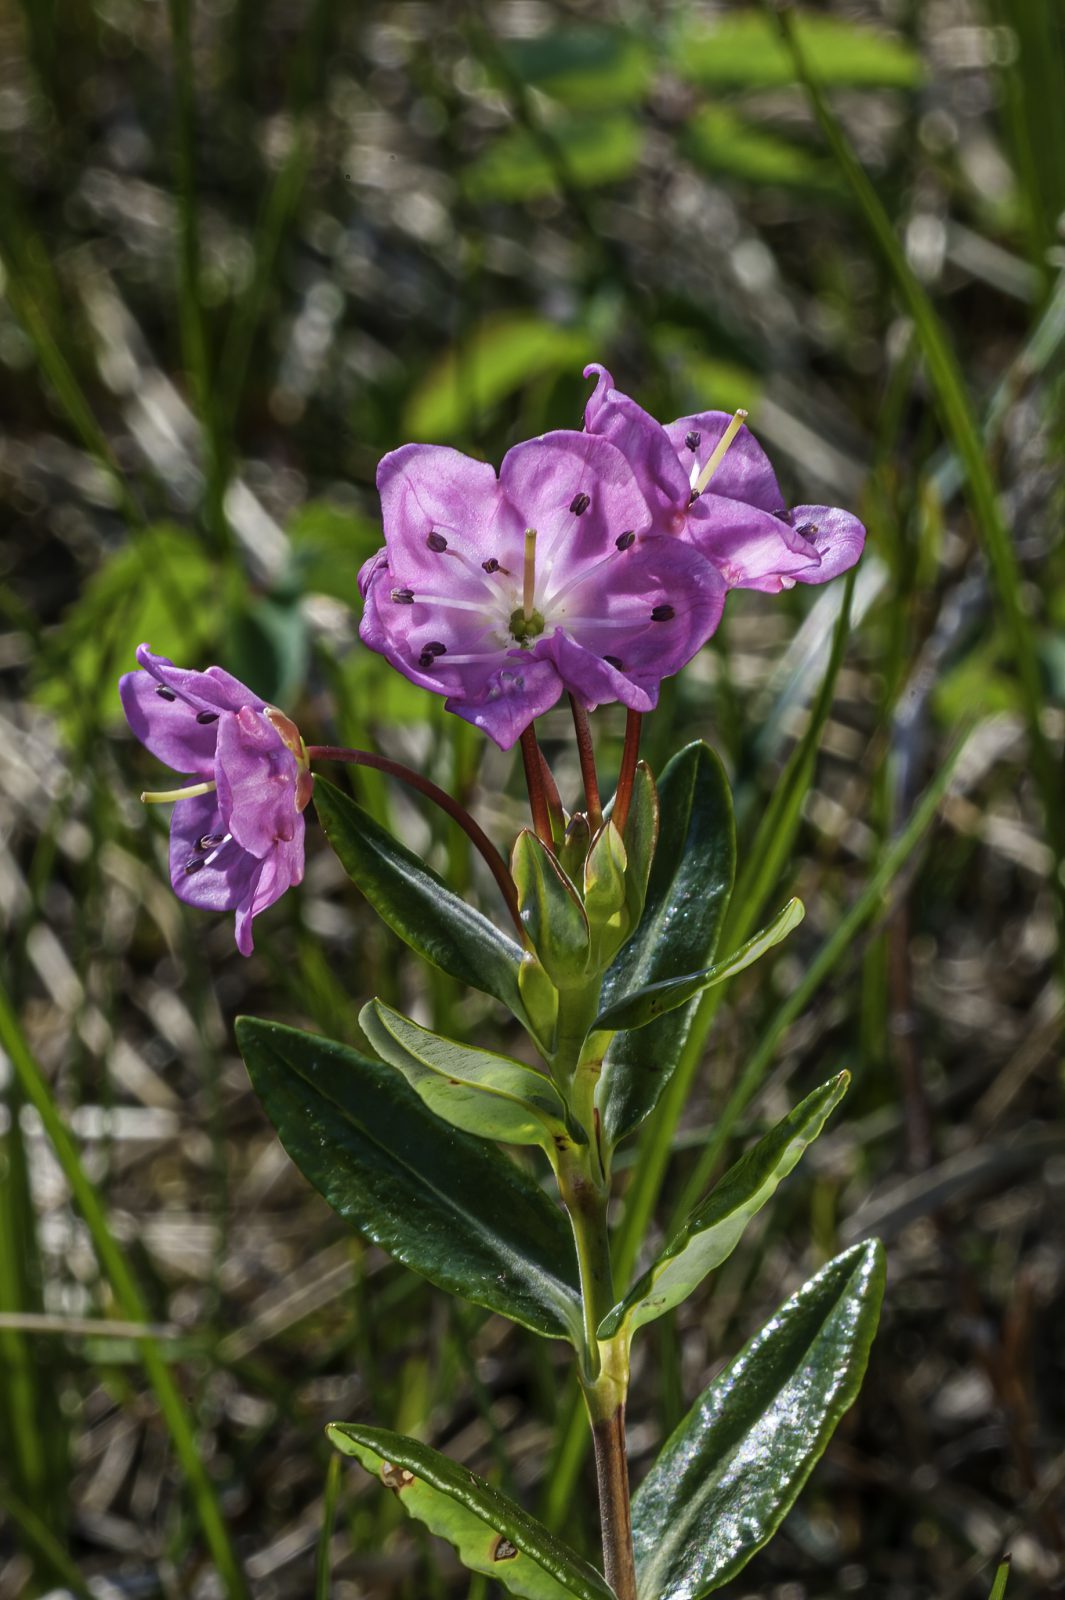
1002,1577
953,403
128,1297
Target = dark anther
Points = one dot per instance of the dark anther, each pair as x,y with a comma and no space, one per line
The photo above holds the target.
209,841
425,660
783,515
807,531
580,503
663,614
206,716
504,1550
694,496
491,565
193,864
403,597
435,648
692,441
624,540
436,542
165,694
614,661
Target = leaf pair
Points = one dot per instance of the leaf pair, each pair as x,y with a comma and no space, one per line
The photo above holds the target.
722,1484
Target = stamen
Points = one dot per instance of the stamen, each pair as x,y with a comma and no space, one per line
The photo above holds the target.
663,614
403,597
435,648
717,455
528,580
194,864
164,693
807,531
436,542
615,662
580,503
491,565
442,600
692,440
209,840
164,796
205,717
625,541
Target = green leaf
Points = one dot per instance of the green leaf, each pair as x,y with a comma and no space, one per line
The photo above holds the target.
162,587
1002,1577
606,899
491,1533
445,1204
416,903
734,1467
551,911
501,356
640,836
720,140
636,1010
330,542
687,895
743,49
713,1230
583,153
491,1096
267,644
587,67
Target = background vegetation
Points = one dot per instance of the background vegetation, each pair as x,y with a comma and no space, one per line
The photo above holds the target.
247,248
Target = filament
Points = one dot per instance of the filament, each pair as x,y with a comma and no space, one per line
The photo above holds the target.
719,452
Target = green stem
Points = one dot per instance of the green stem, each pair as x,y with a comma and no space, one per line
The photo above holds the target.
606,1407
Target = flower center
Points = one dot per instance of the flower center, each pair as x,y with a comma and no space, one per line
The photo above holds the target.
525,625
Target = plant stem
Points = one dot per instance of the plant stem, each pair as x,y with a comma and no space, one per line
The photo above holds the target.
534,779
612,1476
586,753
473,830
551,795
629,757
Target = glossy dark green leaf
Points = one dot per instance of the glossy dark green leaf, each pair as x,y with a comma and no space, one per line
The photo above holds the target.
485,1094
491,1533
416,903
732,1470
714,1229
687,895
551,911
445,1204
656,999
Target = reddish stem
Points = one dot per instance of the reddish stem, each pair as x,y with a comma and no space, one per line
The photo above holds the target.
534,779
586,752
554,801
473,830
629,757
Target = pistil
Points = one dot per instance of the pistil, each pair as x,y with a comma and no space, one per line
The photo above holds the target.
719,451
160,797
528,578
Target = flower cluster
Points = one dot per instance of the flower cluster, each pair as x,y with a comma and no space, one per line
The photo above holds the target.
596,562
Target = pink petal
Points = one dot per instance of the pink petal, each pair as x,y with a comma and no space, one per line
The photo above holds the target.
837,536
744,472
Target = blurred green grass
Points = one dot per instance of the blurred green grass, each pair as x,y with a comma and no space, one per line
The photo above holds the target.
245,251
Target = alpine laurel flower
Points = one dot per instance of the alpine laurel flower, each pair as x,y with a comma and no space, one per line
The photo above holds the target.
236,834
708,481
501,593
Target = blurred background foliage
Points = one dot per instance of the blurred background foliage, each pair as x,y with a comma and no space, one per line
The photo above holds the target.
247,246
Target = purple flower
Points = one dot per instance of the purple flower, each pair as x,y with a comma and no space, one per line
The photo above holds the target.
708,480
502,593
236,835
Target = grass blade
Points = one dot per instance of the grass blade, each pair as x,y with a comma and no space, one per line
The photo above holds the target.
948,385
127,1295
